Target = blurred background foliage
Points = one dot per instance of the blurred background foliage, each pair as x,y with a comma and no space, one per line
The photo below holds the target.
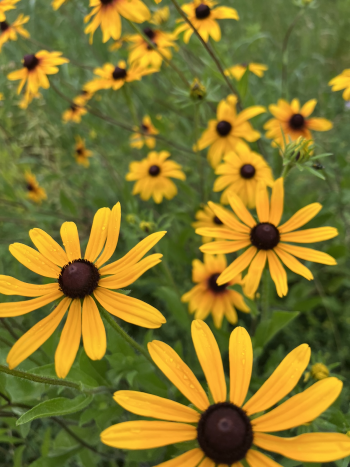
316,312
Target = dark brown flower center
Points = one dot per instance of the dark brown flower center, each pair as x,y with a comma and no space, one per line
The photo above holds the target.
4,25
154,170
265,236
78,278
213,286
217,221
80,151
223,128
30,61
149,47
297,121
225,433
30,187
119,73
73,107
106,2
247,171
202,11
149,33
144,128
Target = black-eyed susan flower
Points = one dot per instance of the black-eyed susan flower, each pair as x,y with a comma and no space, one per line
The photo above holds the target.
107,14
160,16
34,191
291,121
144,134
204,15
114,77
8,32
6,5
267,240
241,173
81,154
208,297
340,82
225,430
74,113
223,134
237,71
35,69
78,282
205,217
152,176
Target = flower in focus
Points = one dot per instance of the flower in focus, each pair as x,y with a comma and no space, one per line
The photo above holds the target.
74,113
342,81
160,16
291,121
223,134
34,191
143,134
34,71
225,430
107,15
82,154
79,279
208,297
6,5
152,176
197,90
56,4
206,217
237,71
267,239
8,32
241,173
115,77
203,16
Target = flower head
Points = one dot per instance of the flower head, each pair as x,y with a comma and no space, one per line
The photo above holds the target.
74,113
204,15
6,5
82,154
241,172
266,240
237,71
160,16
223,134
144,134
79,281
34,191
205,217
8,32
227,430
342,81
83,98
152,176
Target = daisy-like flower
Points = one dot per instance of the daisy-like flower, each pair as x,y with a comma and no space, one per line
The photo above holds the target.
35,69
160,16
143,54
82,154
203,15
228,129
237,71
77,280
208,297
241,173
114,77
267,239
291,121
74,113
152,176
205,217
225,430
8,32
34,191
6,5
144,134
107,14
342,81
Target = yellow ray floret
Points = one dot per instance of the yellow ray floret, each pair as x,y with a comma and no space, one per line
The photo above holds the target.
340,82
9,31
144,134
237,71
6,5
35,192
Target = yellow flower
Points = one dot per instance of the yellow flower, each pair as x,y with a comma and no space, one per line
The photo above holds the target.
75,279
74,113
225,430
115,77
56,4
143,54
319,371
6,5
138,139
240,173
83,98
267,239
342,81
291,121
237,71
160,16
206,217
81,153
34,191
119,43
203,16
34,71
152,176
224,133
8,32
107,14
208,297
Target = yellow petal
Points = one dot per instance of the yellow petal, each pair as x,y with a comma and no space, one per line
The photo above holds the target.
37,335
262,203
293,264
319,124
93,330
301,217
301,408
206,462
281,382
310,235
209,357
277,200
258,459
151,406
224,247
176,370
112,235
241,364
240,210
308,254
48,247
228,218
34,260
147,434
70,239
249,113
237,266
11,286
188,459
308,108
12,309
98,234
278,274
253,277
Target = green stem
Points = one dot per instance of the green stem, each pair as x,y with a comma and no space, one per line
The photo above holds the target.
198,152
130,104
265,299
286,169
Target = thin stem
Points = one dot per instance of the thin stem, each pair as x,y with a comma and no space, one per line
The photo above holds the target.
265,299
198,152
130,104
285,171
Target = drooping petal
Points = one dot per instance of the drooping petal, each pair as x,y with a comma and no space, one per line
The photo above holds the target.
301,217
70,239
12,286
237,266
253,277
112,235
310,235
293,264
12,309
240,210
176,370
278,273
277,200
258,459
228,219
308,254
98,234
34,260
223,247
48,247
188,459
262,203
93,330
241,364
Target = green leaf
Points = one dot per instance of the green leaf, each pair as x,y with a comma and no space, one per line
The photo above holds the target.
269,328
175,306
17,458
55,407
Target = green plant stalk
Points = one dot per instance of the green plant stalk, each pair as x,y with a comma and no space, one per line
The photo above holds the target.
286,169
265,299
198,153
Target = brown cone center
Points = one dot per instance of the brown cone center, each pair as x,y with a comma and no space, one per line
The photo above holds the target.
265,236
78,278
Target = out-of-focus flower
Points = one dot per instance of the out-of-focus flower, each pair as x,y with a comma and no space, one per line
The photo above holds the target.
143,134
81,154
120,42
342,81
34,191
131,219
6,5
197,90
206,217
160,16
8,32
82,98
74,113
237,71
146,226
319,371
56,4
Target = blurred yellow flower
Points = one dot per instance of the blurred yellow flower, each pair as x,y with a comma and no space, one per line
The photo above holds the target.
342,81
56,4
237,71
6,5
82,98
160,16
74,113
319,371
81,154
34,191
8,32
143,134
205,217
